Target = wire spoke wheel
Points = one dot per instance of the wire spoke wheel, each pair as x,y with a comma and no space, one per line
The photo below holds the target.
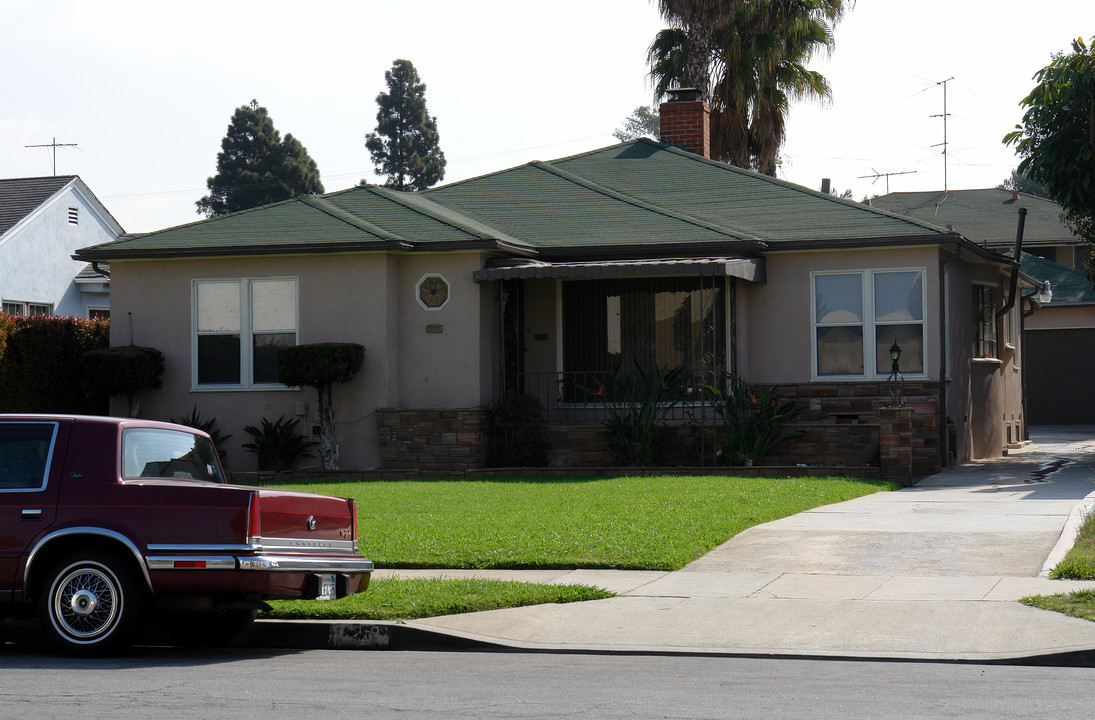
91,603
86,602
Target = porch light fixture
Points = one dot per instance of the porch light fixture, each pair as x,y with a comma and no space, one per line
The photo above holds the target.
895,383
1045,293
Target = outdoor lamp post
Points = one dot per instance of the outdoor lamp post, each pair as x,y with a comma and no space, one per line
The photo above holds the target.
896,382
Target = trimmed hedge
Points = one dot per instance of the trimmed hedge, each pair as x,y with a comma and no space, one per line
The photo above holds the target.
124,370
40,364
319,364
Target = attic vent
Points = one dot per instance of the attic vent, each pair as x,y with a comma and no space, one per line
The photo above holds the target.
74,216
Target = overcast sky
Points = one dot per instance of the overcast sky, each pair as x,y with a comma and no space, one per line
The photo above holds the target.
146,89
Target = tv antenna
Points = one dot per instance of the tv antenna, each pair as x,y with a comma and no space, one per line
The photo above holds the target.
877,175
944,116
54,145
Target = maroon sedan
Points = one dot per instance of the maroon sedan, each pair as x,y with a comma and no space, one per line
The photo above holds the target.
106,523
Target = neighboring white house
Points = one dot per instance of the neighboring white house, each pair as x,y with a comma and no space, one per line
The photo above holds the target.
43,221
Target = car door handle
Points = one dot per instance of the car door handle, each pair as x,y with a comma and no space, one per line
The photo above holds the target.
32,513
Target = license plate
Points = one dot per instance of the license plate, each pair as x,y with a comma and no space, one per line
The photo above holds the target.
327,587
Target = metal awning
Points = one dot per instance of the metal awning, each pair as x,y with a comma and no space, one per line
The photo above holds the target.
751,269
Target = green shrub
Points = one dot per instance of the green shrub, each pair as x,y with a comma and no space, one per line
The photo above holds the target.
321,365
195,420
125,370
637,402
277,444
40,364
516,431
753,420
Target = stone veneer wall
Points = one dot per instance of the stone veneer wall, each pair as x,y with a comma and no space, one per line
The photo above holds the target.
839,426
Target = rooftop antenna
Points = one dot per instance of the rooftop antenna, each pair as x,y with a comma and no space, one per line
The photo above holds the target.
875,174
944,143
54,145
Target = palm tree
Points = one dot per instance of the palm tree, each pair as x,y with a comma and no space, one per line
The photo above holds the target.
759,63
697,18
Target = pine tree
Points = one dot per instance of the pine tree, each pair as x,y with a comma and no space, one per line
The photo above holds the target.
405,147
256,166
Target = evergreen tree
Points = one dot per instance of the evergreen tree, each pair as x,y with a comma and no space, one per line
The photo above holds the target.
643,122
405,147
256,166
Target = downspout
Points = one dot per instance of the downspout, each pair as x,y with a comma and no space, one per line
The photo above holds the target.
944,436
1015,270
96,268
1012,292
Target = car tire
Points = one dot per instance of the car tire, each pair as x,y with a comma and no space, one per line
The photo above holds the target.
91,603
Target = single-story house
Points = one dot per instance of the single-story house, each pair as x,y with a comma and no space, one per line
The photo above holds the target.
43,221
543,278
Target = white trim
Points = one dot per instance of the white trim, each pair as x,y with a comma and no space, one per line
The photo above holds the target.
246,333
868,322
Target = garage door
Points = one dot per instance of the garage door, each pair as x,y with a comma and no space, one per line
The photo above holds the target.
1060,386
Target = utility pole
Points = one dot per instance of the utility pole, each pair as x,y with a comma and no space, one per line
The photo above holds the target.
944,116
54,145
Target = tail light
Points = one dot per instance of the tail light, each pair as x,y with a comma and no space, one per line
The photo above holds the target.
254,518
353,518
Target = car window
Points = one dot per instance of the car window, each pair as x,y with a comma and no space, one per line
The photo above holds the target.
175,454
26,449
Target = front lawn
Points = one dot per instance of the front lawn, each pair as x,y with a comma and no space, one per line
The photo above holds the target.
636,523
406,599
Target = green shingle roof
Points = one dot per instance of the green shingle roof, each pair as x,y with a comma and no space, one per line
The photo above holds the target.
984,216
637,199
1069,285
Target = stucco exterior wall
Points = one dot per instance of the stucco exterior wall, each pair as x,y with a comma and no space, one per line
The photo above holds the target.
777,331
35,257
369,299
1062,317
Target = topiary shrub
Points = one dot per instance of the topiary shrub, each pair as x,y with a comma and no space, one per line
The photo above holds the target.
321,365
124,370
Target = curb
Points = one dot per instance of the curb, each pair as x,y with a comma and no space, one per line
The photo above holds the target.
341,635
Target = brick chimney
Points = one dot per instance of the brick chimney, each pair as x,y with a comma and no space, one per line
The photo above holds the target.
686,121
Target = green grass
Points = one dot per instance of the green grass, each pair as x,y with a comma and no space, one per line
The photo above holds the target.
649,523
1078,564
1080,604
406,599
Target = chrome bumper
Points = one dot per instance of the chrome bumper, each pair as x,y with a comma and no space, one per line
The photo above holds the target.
266,563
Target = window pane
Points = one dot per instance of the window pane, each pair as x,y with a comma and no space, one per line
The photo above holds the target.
898,296
25,452
910,338
168,454
666,321
219,307
838,298
264,355
218,359
840,350
273,305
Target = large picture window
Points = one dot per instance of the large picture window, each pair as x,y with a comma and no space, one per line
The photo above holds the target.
859,315
664,322
239,325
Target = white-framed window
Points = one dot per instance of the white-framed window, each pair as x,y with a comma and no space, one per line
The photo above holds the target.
984,321
858,315
27,309
239,325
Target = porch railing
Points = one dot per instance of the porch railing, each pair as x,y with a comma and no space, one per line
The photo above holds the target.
579,398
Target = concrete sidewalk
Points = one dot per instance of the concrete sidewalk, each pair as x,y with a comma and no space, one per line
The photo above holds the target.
928,572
